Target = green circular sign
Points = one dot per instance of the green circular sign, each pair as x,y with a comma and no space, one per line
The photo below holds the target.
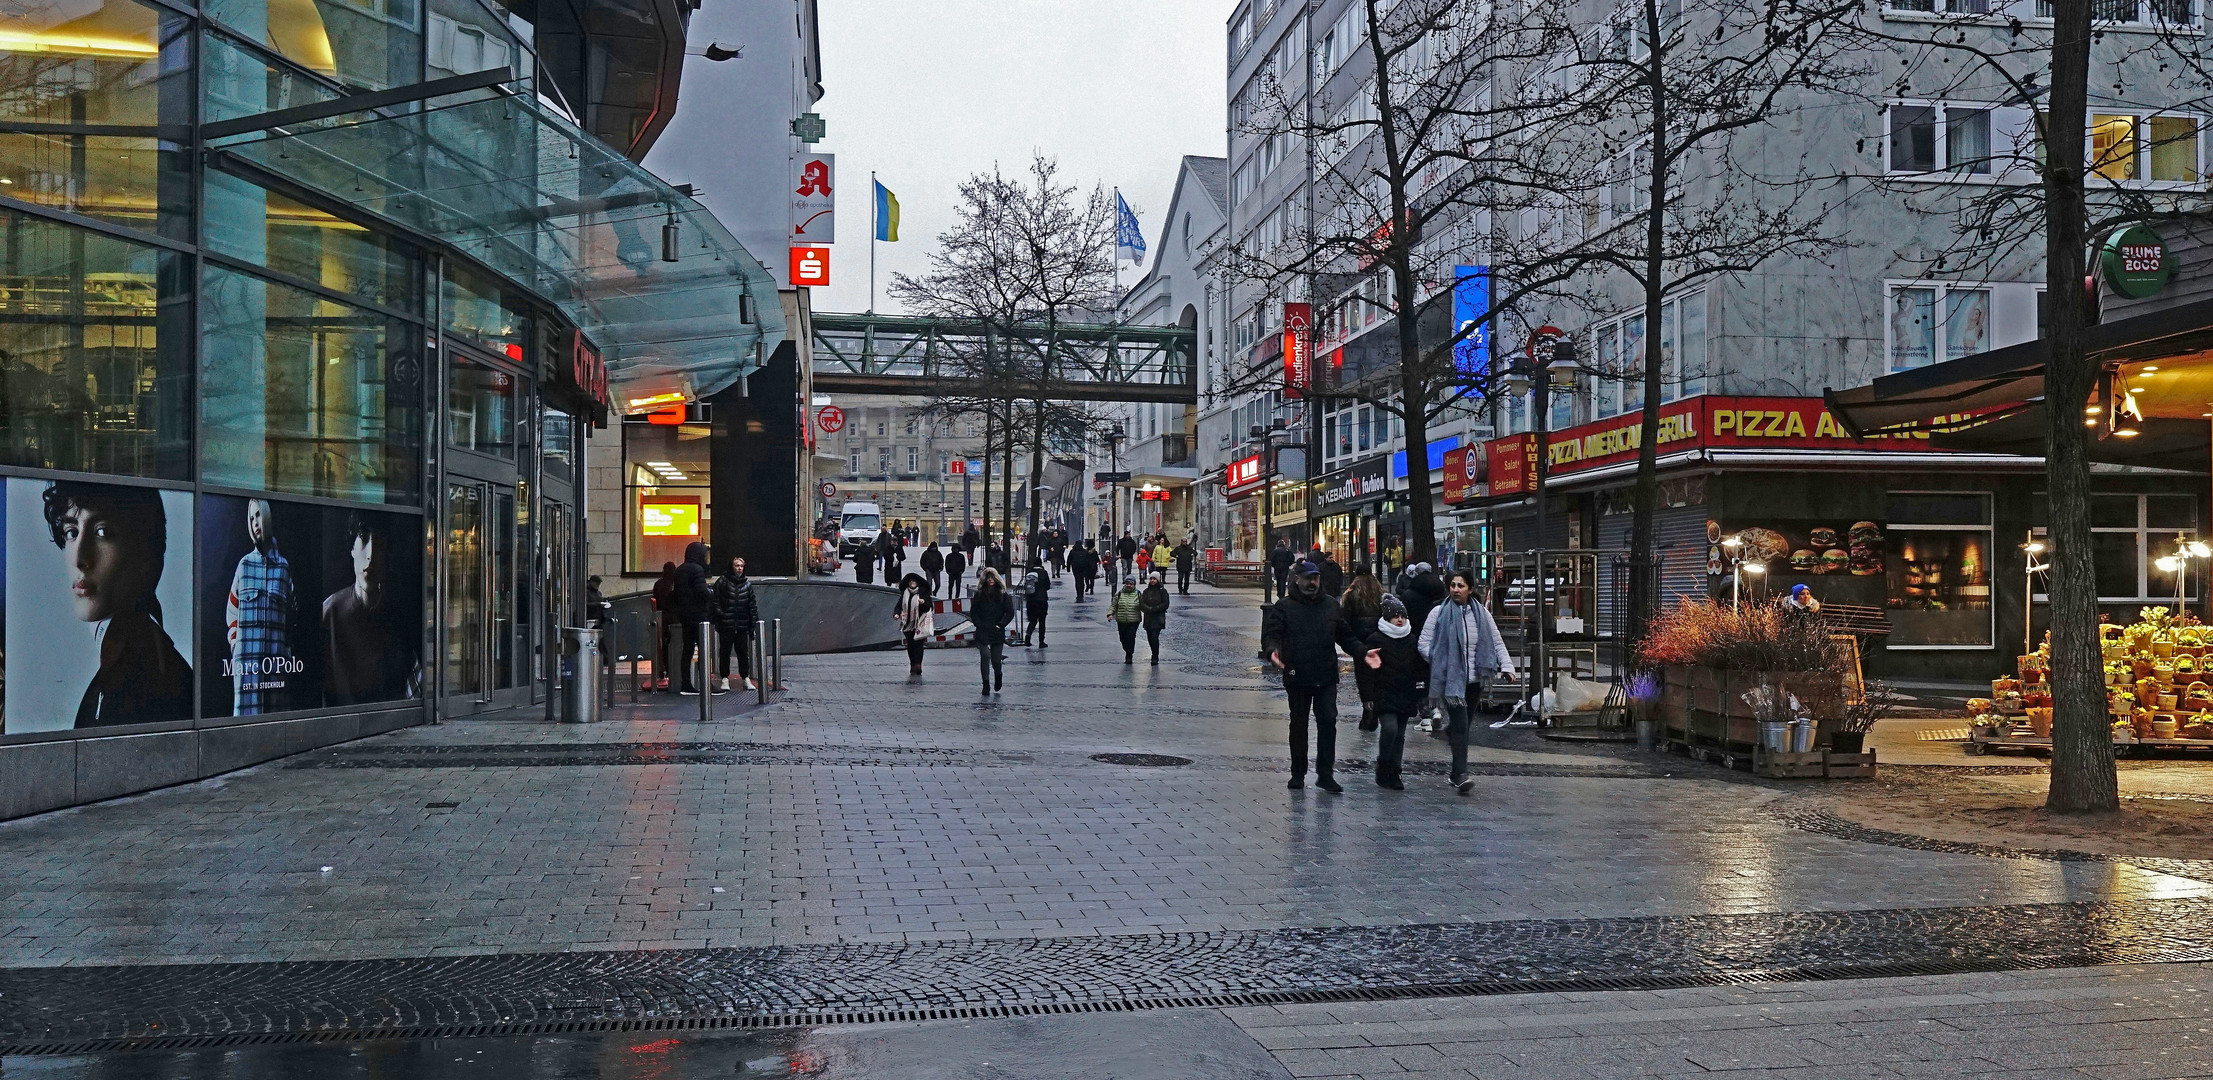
2136,262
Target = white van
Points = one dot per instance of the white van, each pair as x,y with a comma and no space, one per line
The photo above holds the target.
858,525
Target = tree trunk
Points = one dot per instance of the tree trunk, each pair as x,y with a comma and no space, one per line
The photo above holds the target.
1646,501
1006,486
1414,404
2083,778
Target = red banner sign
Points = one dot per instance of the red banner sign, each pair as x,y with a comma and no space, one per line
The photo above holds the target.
1298,348
1513,463
1241,474
1705,422
1463,474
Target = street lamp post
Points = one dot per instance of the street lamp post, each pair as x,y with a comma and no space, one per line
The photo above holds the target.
1734,544
1114,490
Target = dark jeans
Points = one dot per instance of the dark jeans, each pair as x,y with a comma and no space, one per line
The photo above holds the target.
1390,746
991,657
1457,718
1322,701
729,638
1152,638
932,575
1282,576
914,650
953,584
1128,630
1037,623
1183,579
661,659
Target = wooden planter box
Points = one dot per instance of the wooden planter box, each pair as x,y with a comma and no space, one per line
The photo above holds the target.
1849,766
1807,766
1706,706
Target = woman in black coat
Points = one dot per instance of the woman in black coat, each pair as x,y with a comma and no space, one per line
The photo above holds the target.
990,612
1399,679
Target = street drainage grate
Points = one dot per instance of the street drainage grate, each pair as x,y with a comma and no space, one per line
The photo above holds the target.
1151,761
1227,999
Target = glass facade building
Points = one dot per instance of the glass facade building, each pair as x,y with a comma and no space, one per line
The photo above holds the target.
306,309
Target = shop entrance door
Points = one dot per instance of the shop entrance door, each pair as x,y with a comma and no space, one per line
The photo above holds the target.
479,624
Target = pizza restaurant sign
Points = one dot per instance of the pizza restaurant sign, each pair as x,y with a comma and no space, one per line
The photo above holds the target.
1705,422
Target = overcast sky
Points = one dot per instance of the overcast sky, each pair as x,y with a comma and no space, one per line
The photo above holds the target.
928,92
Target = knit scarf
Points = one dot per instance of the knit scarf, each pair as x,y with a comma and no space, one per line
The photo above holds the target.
1448,653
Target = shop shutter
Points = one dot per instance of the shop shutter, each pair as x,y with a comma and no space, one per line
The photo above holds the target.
1678,535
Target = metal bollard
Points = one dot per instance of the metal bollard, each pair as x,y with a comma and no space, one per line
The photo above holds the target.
760,662
776,651
634,657
607,656
706,669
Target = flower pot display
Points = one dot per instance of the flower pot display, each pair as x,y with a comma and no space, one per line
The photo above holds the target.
2156,681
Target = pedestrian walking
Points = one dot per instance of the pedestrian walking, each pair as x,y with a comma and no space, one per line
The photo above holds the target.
1036,596
1279,565
1128,616
989,612
911,610
1363,605
969,540
1183,555
1153,604
595,604
1400,680
664,618
1127,547
736,610
933,564
1083,565
695,604
1462,644
1333,574
1421,589
1301,634
956,564
1163,556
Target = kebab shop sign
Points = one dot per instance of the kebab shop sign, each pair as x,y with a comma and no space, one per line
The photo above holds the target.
1704,422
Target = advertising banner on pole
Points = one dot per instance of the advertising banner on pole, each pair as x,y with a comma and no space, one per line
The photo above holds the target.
1298,339
1471,305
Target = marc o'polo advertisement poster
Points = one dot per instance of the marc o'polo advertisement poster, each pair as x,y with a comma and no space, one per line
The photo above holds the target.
99,605
306,606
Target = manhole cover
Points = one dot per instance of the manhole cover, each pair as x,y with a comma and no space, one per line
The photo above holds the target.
1141,759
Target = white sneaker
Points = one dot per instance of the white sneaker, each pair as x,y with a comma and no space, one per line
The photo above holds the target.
749,685
726,684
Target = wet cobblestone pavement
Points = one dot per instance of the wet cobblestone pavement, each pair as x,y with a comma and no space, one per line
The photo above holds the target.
870,845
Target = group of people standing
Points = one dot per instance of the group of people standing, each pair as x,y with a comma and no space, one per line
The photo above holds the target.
1432,644
688,595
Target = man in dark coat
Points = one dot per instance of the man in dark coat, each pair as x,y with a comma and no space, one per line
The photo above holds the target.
956,564
1333,575
1279,564
1126,547
664,617
996,557
933,564
969,540
736,611
1183,556
1084,564
695,604
1421,589
1301,634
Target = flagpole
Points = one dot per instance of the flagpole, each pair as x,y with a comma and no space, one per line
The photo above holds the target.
874,227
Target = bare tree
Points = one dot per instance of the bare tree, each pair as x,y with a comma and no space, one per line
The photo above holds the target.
1025,256
2041,192
1406,174
1685,87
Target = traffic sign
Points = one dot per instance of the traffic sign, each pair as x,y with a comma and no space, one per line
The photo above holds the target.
830,418
828,489
1110,478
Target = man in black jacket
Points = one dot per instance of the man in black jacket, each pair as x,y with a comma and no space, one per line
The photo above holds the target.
956,564
1301,634
933,564
1084,564
1421,589
695,604
735,613
1126,547
1279,565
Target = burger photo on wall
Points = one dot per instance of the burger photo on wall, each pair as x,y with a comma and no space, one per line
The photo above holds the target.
1835,560
1821,539
1864,542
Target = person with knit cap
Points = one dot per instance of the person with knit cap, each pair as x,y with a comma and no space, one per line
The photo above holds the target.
1399,681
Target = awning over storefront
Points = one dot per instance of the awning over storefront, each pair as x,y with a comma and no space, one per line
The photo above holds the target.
502,178
1994,402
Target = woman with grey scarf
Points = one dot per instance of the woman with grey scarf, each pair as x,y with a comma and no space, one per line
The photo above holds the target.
1462,644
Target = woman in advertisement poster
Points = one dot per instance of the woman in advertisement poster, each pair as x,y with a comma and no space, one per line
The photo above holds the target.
115,541
258,618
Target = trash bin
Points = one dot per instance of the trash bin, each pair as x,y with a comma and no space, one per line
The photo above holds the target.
1775,735
1801,736
579,674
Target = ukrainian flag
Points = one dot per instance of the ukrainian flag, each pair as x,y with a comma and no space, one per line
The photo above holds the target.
887,213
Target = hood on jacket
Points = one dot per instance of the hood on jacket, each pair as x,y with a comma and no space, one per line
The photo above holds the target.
696,553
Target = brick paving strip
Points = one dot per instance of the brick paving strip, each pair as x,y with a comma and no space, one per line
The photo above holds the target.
46,1006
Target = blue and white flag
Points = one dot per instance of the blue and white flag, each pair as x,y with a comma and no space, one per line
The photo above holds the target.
1129,242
